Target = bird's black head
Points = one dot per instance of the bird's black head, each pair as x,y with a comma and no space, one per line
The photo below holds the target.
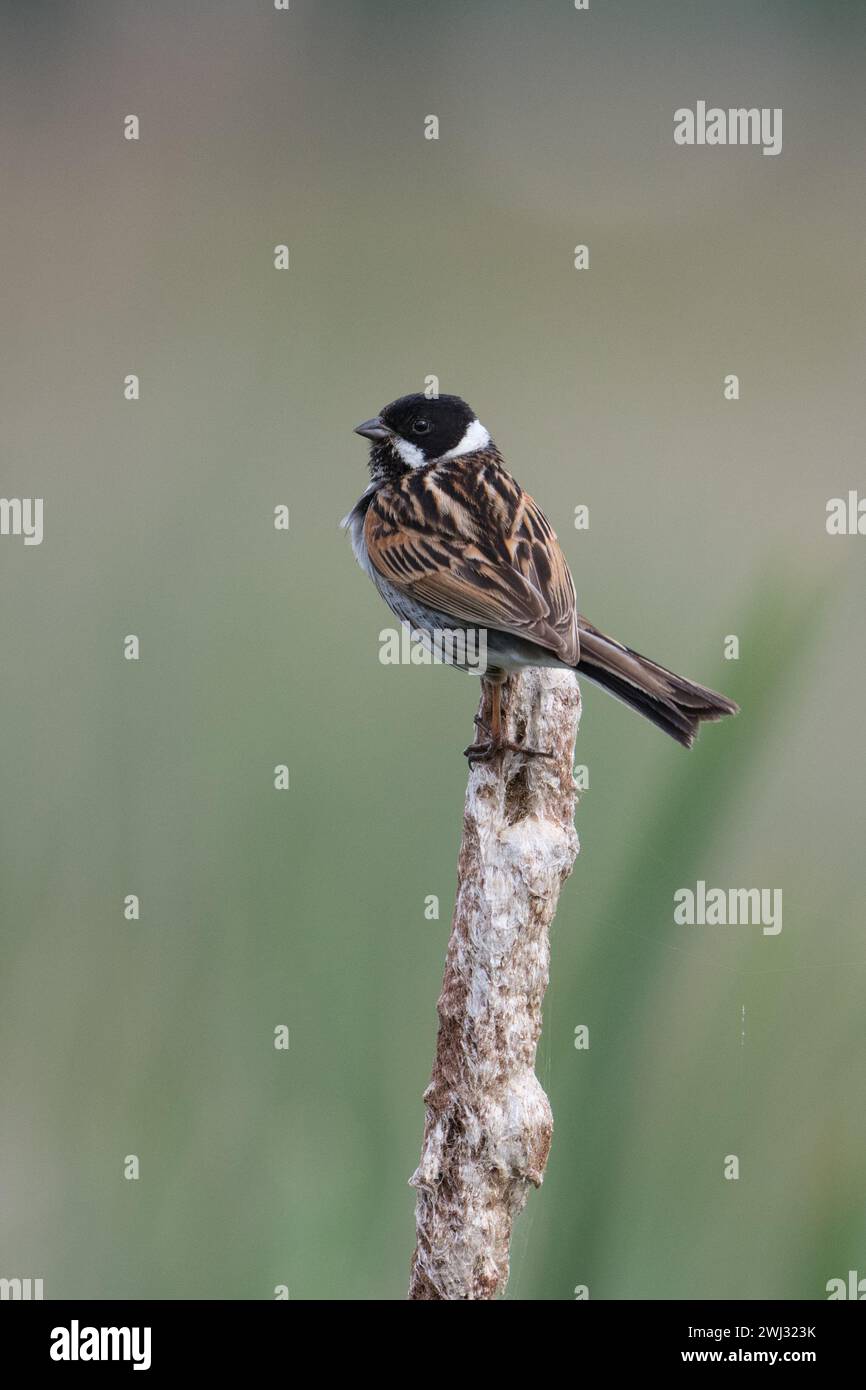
413,431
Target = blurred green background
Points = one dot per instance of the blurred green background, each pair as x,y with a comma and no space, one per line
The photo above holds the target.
603,387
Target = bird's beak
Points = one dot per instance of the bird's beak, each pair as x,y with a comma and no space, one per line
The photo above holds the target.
374,429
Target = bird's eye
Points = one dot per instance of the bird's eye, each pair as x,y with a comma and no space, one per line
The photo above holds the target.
421,427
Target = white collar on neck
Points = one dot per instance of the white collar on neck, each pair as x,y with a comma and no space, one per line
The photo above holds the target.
476,437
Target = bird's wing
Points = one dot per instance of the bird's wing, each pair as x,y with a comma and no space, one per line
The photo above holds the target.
465,539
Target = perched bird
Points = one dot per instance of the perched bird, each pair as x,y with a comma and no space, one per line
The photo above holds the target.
451,541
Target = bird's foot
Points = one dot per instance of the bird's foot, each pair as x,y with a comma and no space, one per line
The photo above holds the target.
487,749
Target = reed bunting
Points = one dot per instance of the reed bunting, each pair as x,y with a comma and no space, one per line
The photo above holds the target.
452,542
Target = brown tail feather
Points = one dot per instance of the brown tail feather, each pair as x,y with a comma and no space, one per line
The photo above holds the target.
672,703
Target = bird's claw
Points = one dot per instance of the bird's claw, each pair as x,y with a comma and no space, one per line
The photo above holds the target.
486,751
